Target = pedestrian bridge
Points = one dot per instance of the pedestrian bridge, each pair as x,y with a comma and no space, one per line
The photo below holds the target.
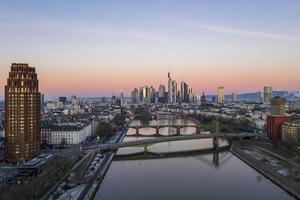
215,137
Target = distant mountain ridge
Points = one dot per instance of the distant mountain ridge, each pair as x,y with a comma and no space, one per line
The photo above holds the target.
288,95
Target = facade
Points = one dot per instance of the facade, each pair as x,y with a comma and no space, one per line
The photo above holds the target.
135,96
68,132
277,106
191,96
74,100
172,90
22,114
161,94
274,126
65,134
42,102
277,118
296,105
62,99
221,97
291,132
234,97
268,93
146,95
184,92
259,96
152,95
203,99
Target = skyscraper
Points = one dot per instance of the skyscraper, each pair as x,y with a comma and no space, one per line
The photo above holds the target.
172,90
268,93
146,95
161,94
191,96
221,98
135,96
184,96
277,118
22,114
278,106
203,99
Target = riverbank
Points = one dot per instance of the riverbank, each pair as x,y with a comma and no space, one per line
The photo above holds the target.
277,163
99,176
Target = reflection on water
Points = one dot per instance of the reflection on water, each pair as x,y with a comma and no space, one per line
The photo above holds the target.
160,171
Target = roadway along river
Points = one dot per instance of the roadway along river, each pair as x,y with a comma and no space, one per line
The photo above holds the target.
157,173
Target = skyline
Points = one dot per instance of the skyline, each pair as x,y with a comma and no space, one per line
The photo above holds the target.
119,46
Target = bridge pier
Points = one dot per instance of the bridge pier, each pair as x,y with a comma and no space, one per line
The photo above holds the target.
216,144
157,130
216,158
178,131
137,131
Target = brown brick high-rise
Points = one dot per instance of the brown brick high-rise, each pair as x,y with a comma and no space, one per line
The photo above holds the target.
22,114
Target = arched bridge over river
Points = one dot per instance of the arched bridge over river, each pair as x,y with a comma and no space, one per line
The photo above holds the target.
158,127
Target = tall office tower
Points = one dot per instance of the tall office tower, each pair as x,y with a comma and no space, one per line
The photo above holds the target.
234,97
141,94
191,96
259,96
161,94
184,96
169,88
146,95
22,114
152,94
122,100
174,92
135,96
203,99
267,93
221,98
277,106
277,118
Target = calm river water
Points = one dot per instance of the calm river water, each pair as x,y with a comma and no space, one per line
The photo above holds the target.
182,170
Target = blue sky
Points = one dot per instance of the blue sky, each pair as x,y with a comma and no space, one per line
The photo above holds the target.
136,41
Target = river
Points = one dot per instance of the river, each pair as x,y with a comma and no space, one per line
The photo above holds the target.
182,170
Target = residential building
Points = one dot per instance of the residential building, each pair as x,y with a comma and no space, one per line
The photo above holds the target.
291,132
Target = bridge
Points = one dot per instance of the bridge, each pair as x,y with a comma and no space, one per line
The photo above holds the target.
215,137
156,114
158,127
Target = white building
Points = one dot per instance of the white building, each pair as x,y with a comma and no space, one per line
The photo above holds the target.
68,134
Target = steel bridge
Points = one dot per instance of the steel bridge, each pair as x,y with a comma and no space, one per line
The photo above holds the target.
215,137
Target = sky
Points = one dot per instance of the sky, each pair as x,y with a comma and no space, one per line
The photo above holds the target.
98,48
